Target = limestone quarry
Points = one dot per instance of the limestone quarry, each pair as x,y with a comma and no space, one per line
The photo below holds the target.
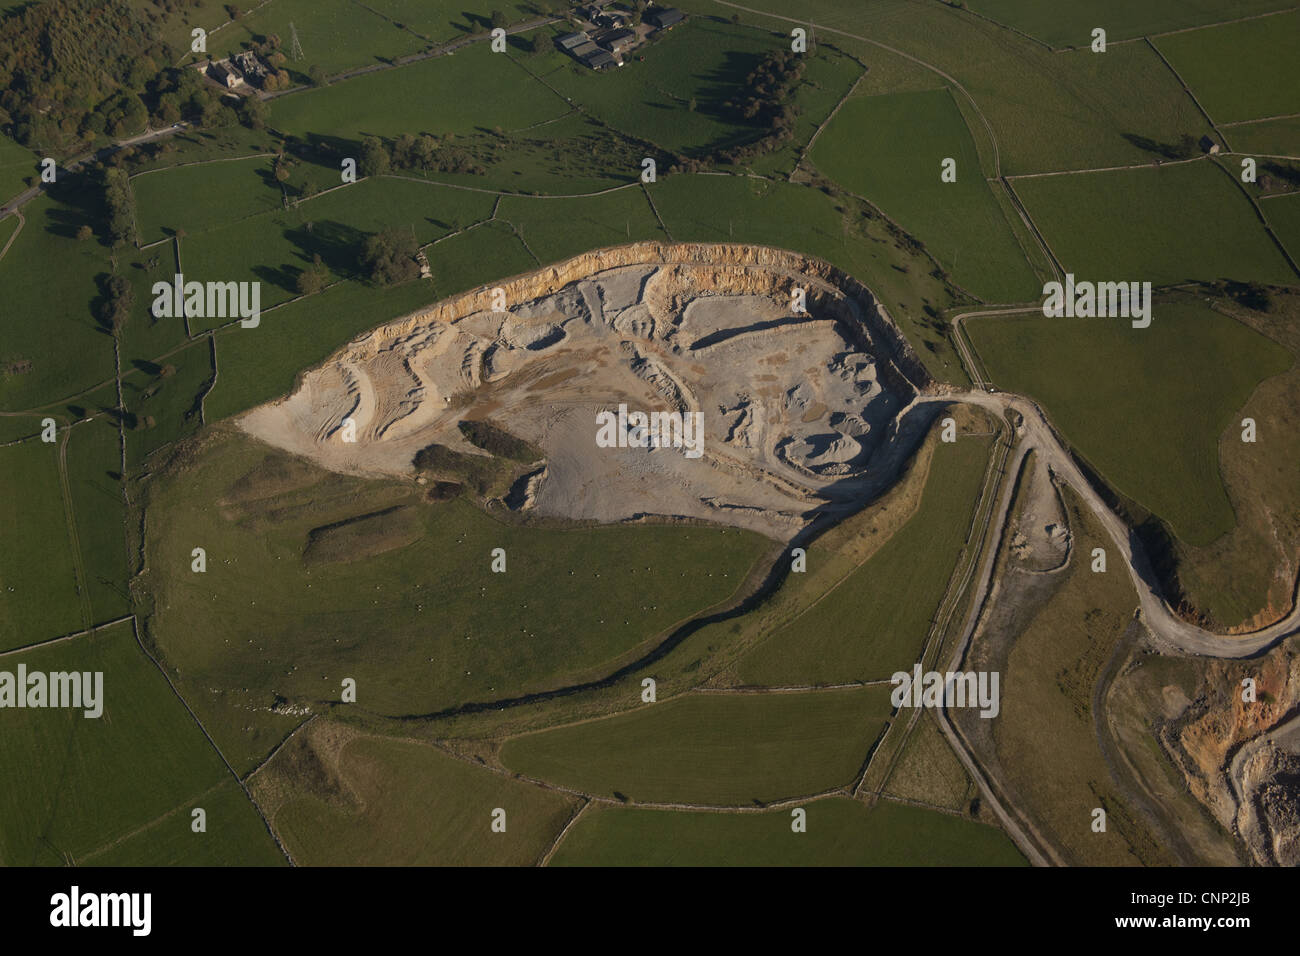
804,388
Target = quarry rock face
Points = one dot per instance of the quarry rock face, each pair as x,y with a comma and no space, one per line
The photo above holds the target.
780,373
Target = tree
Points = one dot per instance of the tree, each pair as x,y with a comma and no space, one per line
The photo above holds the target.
119,296
389,256
316,74
499,21
253,112
314,278
84,232
375,159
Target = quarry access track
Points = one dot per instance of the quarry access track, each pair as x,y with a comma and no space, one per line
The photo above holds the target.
1169,631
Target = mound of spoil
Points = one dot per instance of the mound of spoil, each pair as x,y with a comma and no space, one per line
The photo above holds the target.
773,413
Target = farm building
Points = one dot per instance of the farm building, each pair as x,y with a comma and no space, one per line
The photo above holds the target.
570,40
249,65
600,59
617,41
664,19
224,74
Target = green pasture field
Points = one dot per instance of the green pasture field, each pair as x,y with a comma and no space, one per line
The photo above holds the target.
146,337
399,803
8,226
38,582
50,323
336,35
1239,71
425,97
1049,111
274,247
16,164
830,75
1280,137
1244,578
236,836
193,145
960,222
197,198
1283,214
720,749
700,60
75,784
1145,407
1071,25
94,467
567,156
873,622
559,228
421,627
449,19
841,832
1165,226
170,401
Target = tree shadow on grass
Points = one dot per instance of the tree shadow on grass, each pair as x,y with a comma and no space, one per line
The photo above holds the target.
77,202
337,243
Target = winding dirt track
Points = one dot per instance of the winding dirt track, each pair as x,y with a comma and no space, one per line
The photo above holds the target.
1166,627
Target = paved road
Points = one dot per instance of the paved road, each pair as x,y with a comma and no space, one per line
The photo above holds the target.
148,136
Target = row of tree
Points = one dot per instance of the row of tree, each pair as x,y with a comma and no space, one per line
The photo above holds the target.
422,152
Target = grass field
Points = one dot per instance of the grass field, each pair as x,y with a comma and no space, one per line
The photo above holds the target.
335,35
1279,137
423,97
50,324
1240,71
1153,225
163,406
960,222
1283,214
235,836
197,198
567,156
873,622
558,228
448,19
699,60
273,248
94,463
1082,103
77,784
420,628
1144,406
841,832
1072,24
38,583
368,801
16,164
1248,572
727,750
702,61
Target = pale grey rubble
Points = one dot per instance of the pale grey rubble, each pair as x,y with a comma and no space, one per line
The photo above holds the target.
799,411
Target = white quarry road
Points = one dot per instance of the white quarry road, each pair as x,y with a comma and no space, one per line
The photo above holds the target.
1166,627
